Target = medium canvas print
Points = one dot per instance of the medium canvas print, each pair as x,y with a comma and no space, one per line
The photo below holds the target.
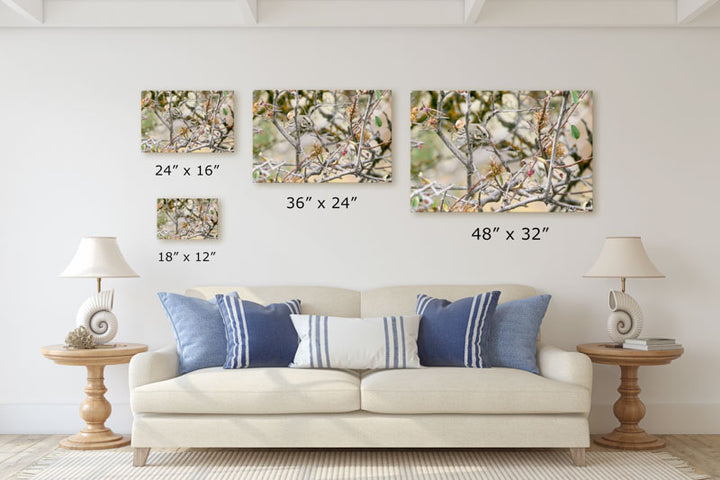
187,121
187,218
501,151
322,136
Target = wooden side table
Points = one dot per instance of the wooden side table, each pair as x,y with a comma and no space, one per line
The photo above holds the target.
95,409
629,410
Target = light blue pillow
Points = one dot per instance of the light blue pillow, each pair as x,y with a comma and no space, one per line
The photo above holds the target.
257,335
454,334
513,333
199,331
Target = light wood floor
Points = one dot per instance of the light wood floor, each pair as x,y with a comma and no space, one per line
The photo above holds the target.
19,451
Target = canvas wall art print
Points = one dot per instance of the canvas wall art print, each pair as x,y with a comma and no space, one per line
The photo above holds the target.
501,151
187,121
322,136
187,218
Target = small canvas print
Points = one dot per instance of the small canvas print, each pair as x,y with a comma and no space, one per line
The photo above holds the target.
187,121
187,218
322,136
501,151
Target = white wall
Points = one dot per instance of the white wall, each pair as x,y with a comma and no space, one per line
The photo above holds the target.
70,165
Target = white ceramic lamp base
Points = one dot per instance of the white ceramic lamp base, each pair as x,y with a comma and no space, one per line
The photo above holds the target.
626,319
96,315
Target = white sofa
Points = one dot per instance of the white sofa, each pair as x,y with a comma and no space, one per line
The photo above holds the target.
434,407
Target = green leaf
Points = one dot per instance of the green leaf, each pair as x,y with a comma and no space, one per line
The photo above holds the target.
377,94
224,111
378,121
575,132
256,174
575,95
415,201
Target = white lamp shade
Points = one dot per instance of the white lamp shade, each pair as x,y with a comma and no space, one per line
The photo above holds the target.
623,257
98,257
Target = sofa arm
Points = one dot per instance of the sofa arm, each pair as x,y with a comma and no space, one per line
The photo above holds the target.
151,367
569,367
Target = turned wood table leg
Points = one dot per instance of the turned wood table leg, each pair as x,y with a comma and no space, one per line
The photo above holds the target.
95,409
629,410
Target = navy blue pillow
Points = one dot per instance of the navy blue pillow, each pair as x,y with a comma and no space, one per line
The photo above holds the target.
514,332
258,336
199,331
454,334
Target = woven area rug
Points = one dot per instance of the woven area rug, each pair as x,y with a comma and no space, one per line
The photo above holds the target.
357,464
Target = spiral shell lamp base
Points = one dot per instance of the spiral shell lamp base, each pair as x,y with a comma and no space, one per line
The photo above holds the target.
96,315
626,319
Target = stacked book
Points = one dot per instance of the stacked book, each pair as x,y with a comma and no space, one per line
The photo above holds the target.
651,344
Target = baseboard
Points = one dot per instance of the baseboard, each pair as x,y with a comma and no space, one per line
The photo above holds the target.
64,418
668,418
38,418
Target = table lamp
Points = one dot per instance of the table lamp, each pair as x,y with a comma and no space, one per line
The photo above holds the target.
98,257
623,257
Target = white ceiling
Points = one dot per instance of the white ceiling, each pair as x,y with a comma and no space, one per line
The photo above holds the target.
359,13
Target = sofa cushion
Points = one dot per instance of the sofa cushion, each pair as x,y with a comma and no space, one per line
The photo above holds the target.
454,334
402,300
257,335
339,302
513,333
358,343
251,391
198,329
469,390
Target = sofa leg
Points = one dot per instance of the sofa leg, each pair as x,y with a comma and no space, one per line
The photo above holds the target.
140,456
578,456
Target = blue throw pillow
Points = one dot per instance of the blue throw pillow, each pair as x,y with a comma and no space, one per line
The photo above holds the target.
454,334
514,332
258,336
198,328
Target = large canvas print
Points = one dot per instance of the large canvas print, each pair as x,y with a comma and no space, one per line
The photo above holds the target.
501,151
187,121
187,218
322,136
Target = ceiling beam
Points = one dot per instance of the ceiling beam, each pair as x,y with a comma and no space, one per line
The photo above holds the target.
689,10
148,13
29,9
249,9
359,13
578,13
472,10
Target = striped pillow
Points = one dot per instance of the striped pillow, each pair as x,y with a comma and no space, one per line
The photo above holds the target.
356,343
454,334
258,336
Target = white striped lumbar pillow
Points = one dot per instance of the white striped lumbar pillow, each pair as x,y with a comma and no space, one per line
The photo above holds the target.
356,343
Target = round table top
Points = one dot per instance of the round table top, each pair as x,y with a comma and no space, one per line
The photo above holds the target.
612,354
112,354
